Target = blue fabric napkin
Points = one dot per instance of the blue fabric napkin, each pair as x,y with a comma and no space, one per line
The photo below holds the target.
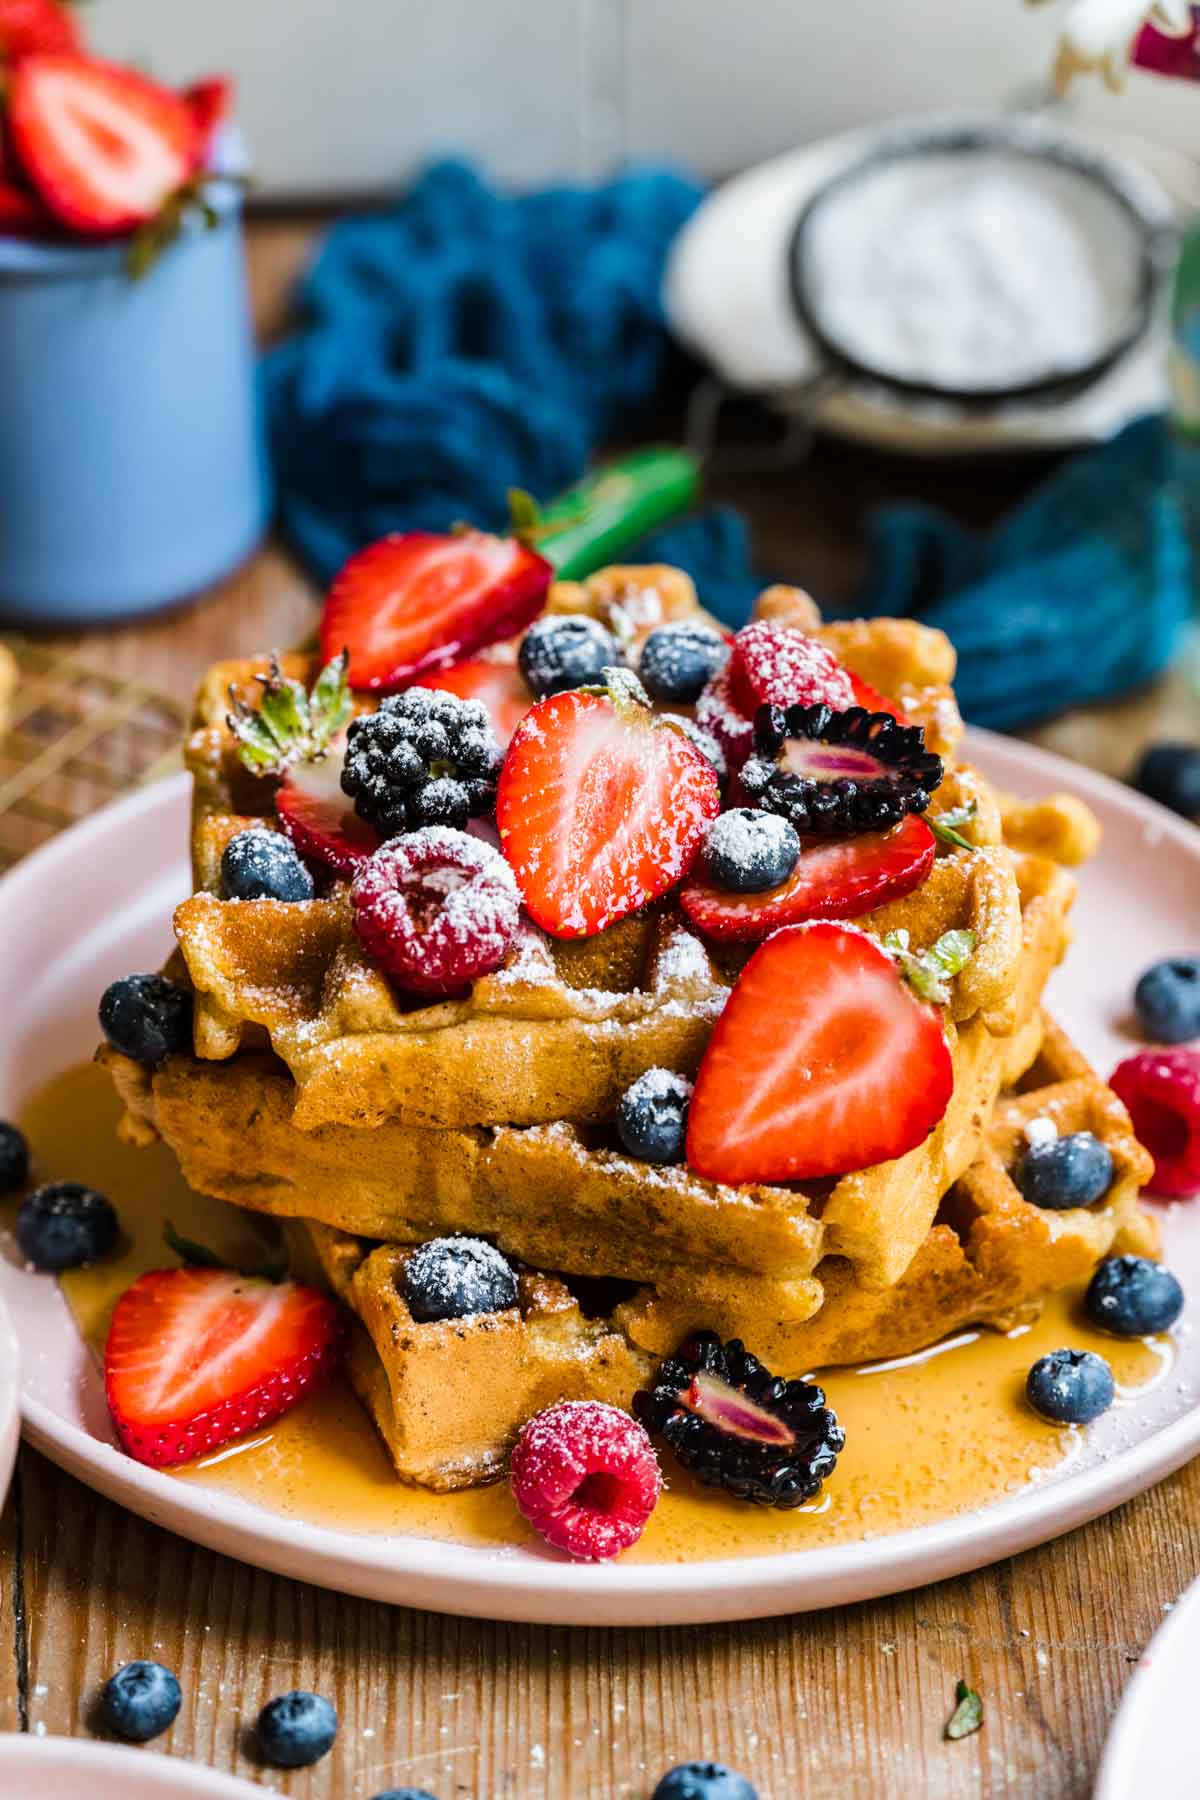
466,342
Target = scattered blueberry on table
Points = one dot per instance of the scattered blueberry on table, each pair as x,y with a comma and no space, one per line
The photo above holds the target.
14,1158
704,1781
263,865
1167,1000
404,1794
1170,774
1131,1296
455,1277
1070,1387
1062,1172
146,1017
65,1225
652,1116
140,1701
296,1729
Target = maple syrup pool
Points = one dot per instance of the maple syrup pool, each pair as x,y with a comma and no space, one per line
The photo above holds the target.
927,1436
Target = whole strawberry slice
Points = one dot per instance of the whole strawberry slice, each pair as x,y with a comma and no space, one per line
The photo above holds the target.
493,678
601,807
421,600
840,880
196,1357
822,1062
103,145
775,665
27,26
320,819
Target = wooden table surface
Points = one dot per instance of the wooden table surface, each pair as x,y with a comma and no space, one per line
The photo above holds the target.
848,1703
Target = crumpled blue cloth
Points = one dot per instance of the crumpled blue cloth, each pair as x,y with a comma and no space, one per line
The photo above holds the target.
467,342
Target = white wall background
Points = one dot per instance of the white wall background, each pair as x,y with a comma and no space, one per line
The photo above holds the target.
342,96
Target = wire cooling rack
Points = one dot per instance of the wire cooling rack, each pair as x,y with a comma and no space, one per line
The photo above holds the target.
77,738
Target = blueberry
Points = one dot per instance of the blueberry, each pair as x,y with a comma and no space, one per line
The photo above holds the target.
296,1729
749,851
14,1158
1167,999
1170,774
704,1781
146,1017
404,1794
1068,1171
652,1116
1070,1387
566,650
65,1225
1131,1296
262,865
453,1277
140,1701
679,660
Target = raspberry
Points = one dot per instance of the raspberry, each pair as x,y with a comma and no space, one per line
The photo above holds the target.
1161,1089
586,1477
718,714
772,665
436,908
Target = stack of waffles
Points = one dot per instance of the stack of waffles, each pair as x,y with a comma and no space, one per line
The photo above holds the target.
369,1122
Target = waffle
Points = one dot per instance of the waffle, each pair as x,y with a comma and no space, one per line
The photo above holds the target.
562,1197
449,1398
563,1028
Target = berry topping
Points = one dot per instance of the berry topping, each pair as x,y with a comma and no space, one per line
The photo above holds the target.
1161,1092
836,773
456,1277
425,758
1065,1171
210,102
823,1061
146,1017
562,651
601,807
316,815
872,700
27,26
493,678
14,1158
104,146
718,714
586,1477
140,1701
1130,1296
747,852
1070,1387
65,1226
1170,774
840,880
1167,999
436,909
738,1427
296,1729
652,1116
704,1781
773,665
678,661
261,865
421,600
197,1357
704,741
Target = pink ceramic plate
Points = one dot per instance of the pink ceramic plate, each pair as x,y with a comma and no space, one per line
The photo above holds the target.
94,904
36,1768
1152,1746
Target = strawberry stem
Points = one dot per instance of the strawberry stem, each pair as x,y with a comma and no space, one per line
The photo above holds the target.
273,1268
289,725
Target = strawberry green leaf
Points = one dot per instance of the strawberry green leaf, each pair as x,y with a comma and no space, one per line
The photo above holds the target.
289,725
929,974
945,825
967,1715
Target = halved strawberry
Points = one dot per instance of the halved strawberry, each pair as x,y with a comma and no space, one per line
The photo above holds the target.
196,1357
873,700
493,678
822,1062
28,26
421,600
320,819
103,145
601,807
840,880
776,665
22,213
210,102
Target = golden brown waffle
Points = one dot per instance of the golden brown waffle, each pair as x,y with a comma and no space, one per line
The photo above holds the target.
563,1197
561,1031
449,1398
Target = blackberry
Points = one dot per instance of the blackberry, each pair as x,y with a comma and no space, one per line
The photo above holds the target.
140,1701
566,650
834,774
425,758
678,661
737,1426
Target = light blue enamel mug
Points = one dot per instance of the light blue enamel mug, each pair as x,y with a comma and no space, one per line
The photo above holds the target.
132,465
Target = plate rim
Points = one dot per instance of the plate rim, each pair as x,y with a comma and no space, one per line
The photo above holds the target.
500,1583
72,1756
1118,1774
